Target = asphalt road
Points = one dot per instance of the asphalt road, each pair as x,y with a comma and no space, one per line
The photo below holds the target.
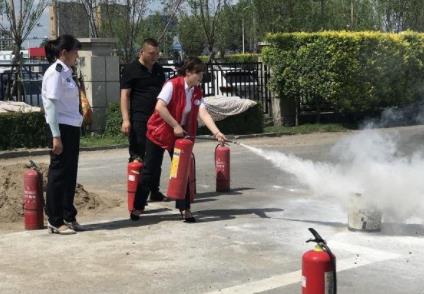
249,240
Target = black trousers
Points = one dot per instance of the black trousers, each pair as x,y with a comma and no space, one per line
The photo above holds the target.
62,178
137,148
153,162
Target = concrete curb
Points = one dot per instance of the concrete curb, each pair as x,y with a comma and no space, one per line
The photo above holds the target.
46,151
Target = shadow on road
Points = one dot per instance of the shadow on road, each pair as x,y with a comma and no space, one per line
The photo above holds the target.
395,229
387,229
226,214
201,216
232,192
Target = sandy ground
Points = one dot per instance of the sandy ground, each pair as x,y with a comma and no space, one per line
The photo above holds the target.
12,193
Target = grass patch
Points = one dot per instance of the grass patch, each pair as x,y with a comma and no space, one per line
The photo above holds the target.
307,129
102,140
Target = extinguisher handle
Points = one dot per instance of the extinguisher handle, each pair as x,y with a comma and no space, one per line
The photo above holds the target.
318,239
33,165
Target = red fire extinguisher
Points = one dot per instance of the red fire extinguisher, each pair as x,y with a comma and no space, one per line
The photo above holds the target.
192,179
134,173
222,168
33,198
180,165
319,268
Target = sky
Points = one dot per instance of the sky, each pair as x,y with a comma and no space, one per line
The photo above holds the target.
41,31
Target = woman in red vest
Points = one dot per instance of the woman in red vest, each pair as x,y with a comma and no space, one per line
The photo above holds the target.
178,106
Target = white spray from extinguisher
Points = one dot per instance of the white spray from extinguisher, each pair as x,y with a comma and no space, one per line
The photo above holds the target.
368,162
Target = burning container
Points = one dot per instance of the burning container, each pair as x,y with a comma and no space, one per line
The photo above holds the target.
363,216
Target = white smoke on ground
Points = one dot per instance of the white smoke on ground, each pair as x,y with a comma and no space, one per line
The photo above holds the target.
368,163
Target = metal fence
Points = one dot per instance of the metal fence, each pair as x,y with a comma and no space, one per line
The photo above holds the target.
32,76
246,80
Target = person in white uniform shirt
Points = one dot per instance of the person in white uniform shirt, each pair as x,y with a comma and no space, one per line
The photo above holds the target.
61,103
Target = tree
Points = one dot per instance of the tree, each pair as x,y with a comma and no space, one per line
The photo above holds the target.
90,7
118,19
207,13
192,39
21,18
230,30
398,16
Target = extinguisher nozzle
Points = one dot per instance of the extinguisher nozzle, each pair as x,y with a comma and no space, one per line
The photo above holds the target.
33,165
209,138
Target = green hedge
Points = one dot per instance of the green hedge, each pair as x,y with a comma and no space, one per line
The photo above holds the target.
236,58
113,120
348,71
22,130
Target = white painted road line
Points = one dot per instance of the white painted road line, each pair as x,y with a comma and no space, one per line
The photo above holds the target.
363,256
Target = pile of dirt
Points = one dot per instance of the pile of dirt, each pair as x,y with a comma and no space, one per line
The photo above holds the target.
12,191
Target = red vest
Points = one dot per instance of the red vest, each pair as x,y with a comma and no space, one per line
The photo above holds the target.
162,134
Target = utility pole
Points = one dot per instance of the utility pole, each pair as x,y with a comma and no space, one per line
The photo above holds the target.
352,14
53,20
252,5
242,32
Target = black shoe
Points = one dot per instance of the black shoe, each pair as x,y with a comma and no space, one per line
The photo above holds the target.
189,219
135,214
157,196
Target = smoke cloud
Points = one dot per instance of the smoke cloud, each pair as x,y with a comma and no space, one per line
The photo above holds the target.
368,162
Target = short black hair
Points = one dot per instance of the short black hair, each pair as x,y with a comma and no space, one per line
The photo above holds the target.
192,64
151,42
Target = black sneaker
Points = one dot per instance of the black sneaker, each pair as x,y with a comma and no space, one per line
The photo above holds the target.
135,214
157,196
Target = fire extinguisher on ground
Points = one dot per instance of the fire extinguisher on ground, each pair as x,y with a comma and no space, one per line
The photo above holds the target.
180,168
33,198
134,173
222,168
319,268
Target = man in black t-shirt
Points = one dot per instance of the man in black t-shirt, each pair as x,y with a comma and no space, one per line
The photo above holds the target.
141,83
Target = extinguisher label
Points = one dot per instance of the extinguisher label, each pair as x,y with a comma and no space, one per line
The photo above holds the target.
131,178
329,280
219,164
174,164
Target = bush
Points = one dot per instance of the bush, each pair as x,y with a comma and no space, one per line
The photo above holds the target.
23,130
113,120
249,122
347,71
235,58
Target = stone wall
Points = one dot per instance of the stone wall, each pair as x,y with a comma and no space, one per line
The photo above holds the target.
100,71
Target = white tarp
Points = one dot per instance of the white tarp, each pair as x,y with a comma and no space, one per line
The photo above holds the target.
220,107
11,106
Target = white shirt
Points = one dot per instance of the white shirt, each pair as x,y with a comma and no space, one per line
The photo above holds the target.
58,85
166,95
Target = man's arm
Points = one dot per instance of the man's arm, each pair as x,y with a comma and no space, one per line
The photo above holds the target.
125,98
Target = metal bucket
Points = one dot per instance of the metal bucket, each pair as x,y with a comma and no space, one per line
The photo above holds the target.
362,216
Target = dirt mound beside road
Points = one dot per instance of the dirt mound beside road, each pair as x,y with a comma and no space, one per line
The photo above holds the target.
12,190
